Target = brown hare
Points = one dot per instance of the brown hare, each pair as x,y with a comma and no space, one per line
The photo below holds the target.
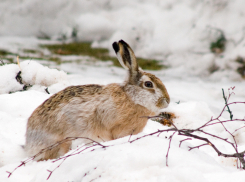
99,112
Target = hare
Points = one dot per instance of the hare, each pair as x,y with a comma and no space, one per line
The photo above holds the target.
98,112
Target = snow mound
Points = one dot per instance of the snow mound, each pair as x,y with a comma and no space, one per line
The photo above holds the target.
36,74
32,73
8,82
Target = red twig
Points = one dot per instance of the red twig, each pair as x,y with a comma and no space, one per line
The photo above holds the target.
170,140
238,129
184,140
191,148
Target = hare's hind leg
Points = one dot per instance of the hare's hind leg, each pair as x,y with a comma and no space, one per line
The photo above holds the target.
45,145
56,151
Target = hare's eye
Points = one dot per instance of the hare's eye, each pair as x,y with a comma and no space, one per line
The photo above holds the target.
148,84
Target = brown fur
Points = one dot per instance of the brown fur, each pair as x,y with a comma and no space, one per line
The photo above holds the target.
105,122
98,112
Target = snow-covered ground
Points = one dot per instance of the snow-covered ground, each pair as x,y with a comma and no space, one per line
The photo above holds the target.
176,32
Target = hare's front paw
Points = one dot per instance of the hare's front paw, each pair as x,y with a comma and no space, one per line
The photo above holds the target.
165,118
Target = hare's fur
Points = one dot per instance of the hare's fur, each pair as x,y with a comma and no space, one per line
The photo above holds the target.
98,112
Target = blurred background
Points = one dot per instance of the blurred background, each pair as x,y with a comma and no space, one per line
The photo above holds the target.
185,38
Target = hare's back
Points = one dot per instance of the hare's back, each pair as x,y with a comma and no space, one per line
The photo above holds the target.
69,93
65,96
52,107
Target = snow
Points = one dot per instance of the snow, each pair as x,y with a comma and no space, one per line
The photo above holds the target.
143,160
176,32
8,84
32,73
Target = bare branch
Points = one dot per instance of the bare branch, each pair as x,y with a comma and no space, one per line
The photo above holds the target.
191,148
238,129
170,140
181,141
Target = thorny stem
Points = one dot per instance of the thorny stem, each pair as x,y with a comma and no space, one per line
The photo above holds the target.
226,121
234,146
76,152
150,134
215,119
170,140
238,129
181,141
238,155
191,148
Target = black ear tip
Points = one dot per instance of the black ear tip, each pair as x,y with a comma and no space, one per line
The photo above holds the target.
122,41
115,47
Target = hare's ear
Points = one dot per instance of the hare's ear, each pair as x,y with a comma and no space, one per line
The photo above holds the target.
126,56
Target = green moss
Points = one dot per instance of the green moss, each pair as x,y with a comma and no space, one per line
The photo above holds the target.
218,46
11,60
3,52
6,61
32,51
150,64
55,59
30,58
85,49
